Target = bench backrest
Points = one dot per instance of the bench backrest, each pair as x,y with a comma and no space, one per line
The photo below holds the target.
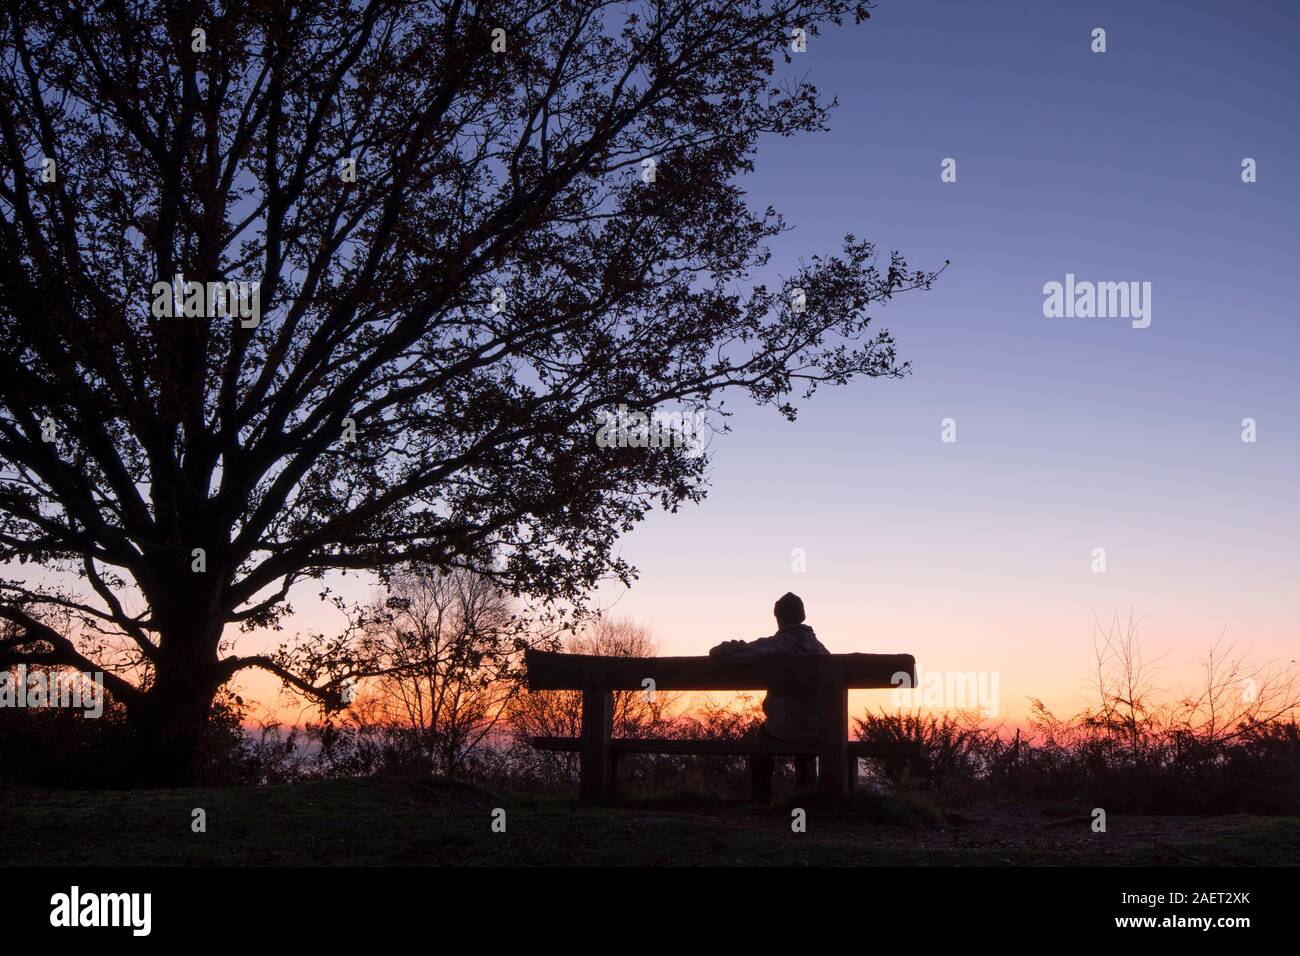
809,673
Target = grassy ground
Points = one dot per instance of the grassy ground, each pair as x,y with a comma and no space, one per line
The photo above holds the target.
423,822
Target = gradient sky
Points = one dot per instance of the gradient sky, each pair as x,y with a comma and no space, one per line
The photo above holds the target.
1073,434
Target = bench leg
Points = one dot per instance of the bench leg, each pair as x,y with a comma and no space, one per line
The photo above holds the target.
596,773
833,741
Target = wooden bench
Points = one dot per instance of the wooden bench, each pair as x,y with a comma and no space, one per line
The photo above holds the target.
831,677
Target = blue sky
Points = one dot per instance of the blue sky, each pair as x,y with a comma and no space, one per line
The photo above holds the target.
1072,434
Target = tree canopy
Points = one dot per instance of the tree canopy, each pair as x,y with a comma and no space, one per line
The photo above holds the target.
414,250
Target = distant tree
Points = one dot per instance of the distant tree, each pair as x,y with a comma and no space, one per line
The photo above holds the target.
447,648
558,713
463,231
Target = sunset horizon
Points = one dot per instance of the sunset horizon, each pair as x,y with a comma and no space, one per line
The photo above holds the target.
662,435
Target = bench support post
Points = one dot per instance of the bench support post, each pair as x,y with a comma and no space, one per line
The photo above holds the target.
596,759
833,733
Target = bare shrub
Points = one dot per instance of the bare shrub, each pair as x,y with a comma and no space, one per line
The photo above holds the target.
1230,745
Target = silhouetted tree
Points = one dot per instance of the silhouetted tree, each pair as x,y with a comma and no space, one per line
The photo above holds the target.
454,256
558,713
447,648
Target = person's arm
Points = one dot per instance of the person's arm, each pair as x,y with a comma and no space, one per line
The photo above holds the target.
747,650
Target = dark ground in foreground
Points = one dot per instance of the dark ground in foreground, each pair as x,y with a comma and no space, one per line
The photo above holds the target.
427,822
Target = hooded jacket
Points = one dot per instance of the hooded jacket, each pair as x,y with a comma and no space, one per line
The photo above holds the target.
790,715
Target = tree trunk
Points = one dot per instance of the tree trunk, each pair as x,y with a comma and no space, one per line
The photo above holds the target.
171,720
168,730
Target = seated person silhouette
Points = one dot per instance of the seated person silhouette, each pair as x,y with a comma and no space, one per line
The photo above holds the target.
790,715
